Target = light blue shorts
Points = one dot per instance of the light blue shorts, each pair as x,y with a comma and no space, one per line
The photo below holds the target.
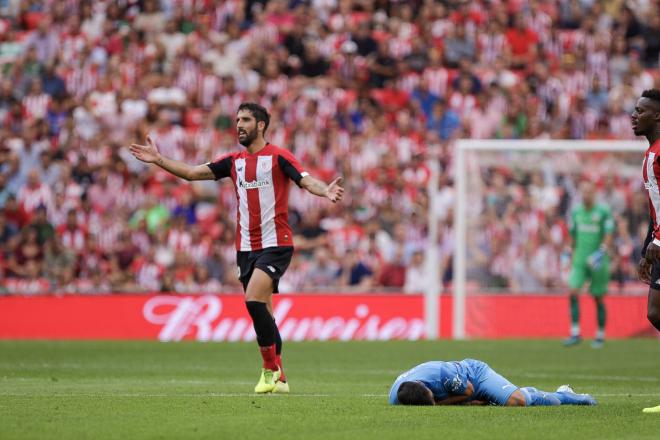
492,387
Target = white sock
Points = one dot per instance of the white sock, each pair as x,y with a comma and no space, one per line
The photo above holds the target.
575,330
600,334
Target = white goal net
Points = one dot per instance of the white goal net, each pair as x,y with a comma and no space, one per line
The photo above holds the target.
513,199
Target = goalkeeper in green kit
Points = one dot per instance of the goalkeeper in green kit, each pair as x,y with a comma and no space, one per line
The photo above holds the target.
591,229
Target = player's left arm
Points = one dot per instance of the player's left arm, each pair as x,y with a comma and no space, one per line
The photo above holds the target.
333,192
292,168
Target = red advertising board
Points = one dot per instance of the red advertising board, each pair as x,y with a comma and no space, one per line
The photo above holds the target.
302,317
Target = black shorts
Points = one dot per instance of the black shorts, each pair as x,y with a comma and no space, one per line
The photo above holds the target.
273,260
655,277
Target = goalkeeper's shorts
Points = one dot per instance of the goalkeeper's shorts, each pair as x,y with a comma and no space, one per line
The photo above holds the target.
599,279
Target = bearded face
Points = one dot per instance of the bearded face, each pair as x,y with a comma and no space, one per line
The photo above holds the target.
246,127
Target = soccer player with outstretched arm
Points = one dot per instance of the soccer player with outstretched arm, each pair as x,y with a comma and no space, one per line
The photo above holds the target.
264,241
646,122
472,382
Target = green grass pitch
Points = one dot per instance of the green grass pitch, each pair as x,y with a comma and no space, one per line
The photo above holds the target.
150,390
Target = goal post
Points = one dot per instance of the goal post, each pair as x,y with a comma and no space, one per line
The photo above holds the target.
463,148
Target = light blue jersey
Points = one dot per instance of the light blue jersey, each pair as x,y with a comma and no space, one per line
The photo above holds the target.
445,379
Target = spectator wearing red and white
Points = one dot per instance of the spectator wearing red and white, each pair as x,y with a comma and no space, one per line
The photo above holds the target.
209,86
199,247
170,137
178,237
263,33
148,272
491,44
108,231
103,99
461,100
248,81
73,234
36,101
72,40
87,125
231,98
132,195
187,71
103,193
140,237
34,194
619,121
347,236
408,79
81,77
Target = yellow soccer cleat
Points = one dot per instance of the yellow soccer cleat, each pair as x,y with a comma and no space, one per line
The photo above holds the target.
267,381
655,409
281,387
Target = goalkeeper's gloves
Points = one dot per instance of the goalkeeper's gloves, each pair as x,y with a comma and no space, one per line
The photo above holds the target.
596,259
565,258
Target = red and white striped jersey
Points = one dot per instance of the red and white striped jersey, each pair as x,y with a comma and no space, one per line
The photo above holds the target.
261,181
651,174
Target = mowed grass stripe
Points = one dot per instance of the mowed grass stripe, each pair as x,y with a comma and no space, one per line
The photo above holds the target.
144,390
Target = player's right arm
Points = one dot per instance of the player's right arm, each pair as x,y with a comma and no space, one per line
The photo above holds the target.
458,399
149,154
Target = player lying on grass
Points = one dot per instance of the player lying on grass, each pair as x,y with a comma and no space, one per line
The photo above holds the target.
472,382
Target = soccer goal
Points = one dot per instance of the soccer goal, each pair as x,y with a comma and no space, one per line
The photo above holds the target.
512,206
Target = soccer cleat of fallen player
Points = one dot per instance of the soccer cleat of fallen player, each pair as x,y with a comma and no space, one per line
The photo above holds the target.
568,396
267,381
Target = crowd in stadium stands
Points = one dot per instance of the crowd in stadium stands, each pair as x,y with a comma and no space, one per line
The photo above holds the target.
369,89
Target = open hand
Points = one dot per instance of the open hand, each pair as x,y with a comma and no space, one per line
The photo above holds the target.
335,192
146,153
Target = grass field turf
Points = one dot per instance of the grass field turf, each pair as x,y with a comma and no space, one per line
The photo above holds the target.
149,390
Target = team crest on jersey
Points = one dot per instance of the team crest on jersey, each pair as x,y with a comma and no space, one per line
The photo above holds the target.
454,384
595,217
266,166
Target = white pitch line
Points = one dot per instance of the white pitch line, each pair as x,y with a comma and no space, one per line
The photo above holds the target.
146,395
591,377
182,395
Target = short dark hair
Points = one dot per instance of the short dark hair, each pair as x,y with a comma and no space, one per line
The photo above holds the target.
259,112
414,393
652,94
